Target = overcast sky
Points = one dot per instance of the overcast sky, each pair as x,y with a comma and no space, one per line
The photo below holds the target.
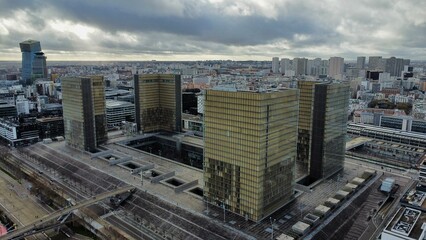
214,29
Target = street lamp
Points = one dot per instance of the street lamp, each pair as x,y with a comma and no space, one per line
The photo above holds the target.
272,226
142,172
223,204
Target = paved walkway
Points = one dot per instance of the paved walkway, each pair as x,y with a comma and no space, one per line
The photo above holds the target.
55,215
17,202
184,200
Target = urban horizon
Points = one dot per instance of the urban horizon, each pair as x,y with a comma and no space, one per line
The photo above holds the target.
195,60
208,30
213,119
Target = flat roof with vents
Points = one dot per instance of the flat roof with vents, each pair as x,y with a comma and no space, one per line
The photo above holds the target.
300,227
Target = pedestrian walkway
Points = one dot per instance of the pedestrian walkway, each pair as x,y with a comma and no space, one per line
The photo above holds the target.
17,203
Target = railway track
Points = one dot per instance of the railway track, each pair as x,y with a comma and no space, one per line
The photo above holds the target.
83,181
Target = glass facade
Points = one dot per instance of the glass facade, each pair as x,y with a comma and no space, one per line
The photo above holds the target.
39,68
306,89
29,49
50,127
250,150
391,122
329,121
84,112
119,111
158,102
418,126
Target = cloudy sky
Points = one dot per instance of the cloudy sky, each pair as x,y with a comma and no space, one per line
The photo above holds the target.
214,29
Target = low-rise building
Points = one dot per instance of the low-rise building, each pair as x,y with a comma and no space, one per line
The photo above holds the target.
119,111
193,124
406,224
50,127
403,123
16,133
7,110
391,135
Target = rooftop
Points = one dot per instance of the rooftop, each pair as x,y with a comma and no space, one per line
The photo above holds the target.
49,119
116,92
6,105
115,103
186,116
30,41
50,106
407,222
415,198
193,141
233,88
357,142
394,132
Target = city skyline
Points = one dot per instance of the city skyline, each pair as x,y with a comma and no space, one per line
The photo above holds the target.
209,30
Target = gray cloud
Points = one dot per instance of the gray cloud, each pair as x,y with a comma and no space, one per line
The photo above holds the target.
228,28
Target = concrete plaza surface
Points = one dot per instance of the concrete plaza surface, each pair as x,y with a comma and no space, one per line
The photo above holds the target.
17,203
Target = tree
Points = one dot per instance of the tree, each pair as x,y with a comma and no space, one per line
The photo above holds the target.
407,107
383,104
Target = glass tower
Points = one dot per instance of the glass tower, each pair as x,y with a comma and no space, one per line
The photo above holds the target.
33,61
158,102
39,68
250,150
84,112
329,121
305,122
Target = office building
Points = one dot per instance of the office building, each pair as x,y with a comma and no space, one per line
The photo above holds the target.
394,66
285,65
307,91
321,146
399,67
52,109
390,65
39,68
403,123
314,67
373,74
336,67
158,102
189,100
408,73
17,132
323,69
328,140
50,127
22,105
118,112
360,62
7,110
375,63
300,66
275,65
388,134
83,101
250,150
33,61
406,62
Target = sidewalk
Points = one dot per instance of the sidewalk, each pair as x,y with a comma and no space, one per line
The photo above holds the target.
16,202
